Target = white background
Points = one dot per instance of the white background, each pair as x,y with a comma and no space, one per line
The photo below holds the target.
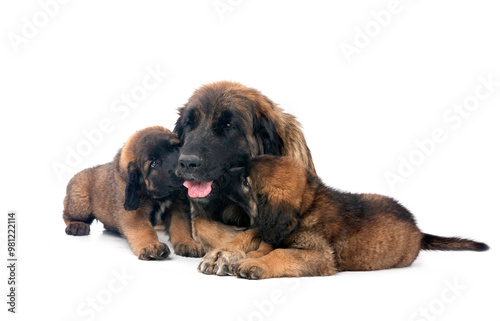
360,120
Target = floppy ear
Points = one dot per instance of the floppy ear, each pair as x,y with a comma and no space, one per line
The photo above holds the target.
277,222
178,129
267,135
235,190
236,171
131,190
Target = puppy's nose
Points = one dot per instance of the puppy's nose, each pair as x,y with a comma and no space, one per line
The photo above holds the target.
189,163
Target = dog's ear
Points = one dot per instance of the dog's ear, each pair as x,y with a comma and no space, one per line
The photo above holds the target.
131,190
239,190
179,124
277,222
267,135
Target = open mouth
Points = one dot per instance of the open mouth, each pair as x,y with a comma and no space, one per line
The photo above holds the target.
197,189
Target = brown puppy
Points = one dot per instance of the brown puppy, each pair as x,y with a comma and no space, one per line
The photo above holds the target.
130,193
224,125
318,230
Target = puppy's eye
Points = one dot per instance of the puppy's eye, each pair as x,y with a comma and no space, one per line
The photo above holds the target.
229,125
154,164
245,183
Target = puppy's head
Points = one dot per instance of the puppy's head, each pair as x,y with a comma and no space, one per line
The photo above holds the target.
224,125
148,163
274,193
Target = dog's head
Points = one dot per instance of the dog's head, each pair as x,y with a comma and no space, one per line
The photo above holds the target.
275,192
148,162
223,125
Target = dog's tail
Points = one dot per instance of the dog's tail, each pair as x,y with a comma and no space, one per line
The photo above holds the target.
433,242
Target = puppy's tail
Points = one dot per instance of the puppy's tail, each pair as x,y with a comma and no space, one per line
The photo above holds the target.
433,242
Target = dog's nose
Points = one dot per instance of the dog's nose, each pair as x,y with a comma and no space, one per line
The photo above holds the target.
189,163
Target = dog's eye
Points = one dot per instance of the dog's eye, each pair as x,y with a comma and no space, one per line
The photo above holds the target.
229,125
245,183
154,164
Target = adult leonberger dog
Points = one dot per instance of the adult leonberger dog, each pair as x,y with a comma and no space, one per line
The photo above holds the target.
130,193
317,230
224,125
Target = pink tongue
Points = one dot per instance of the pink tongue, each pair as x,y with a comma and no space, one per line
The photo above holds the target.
198,189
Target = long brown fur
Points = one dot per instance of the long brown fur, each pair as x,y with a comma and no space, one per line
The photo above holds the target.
128,193
318,230
261,127
236,97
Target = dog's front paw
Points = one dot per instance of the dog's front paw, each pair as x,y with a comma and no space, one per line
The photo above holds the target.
220,262
155,251
78,228
190,249
252,269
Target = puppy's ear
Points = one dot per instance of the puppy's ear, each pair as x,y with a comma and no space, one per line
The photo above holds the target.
237,172
277,222
238,192
267,136
179,126
131,190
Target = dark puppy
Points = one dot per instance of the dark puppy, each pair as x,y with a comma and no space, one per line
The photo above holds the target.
224,125
130,193
317,230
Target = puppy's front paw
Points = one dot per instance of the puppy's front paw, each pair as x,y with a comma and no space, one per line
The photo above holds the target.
155,251
220,262
78,228
252,269
189,249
